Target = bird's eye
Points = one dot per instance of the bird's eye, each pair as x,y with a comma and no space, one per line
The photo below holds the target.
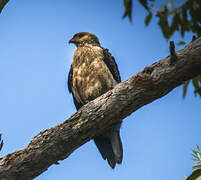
81,35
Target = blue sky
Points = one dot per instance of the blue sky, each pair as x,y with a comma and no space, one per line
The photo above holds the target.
34,64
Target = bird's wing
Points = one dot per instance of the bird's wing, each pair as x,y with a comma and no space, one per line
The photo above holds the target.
78,104
111,64
70,79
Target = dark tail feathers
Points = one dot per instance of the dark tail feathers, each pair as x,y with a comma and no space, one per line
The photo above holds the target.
110,146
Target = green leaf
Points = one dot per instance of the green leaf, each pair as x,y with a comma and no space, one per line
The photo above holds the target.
196,167
128,9
199,157
163,9
163,23
175,23
182,30
196,164
184,16
196,175
144,3
195,152
163,14
151,5
195,159
185,86
180,43
170,3
198,148
199,78
195,156
196,85
148,19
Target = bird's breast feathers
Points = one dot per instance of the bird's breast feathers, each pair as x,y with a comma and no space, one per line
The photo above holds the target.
91,76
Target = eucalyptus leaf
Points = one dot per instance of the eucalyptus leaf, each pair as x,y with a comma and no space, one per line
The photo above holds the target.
144,3
195,84
170,3
197,167
128,9
195,152
180,43
148,19
198,148
185,86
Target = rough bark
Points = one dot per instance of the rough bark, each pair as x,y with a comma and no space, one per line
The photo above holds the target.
58,142
2,4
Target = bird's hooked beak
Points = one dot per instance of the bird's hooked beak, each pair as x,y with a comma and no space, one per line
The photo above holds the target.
73,40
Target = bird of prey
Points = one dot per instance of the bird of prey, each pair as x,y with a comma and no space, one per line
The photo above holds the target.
93,72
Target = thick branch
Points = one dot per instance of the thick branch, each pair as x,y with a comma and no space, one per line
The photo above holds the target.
195,175
2,4
59,142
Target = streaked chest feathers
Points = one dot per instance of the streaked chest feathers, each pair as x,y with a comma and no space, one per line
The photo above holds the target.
91,76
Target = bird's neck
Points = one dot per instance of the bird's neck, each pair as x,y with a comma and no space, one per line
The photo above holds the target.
89,44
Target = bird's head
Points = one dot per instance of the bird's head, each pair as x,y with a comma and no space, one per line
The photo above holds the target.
84,38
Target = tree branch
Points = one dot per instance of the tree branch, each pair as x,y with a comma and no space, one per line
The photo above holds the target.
58,142
195,175
2,4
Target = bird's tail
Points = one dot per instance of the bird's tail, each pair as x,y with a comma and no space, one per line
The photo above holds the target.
110,146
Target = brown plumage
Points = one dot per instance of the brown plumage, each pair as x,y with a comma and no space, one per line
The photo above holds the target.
93,72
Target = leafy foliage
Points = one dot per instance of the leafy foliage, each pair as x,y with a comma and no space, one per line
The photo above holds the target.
180,43
145,4
197,167
186,17
128,9
148,18
197,86
185,88
197,158
183,18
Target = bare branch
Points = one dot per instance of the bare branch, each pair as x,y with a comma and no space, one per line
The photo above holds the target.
173,56
58,142
193,38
